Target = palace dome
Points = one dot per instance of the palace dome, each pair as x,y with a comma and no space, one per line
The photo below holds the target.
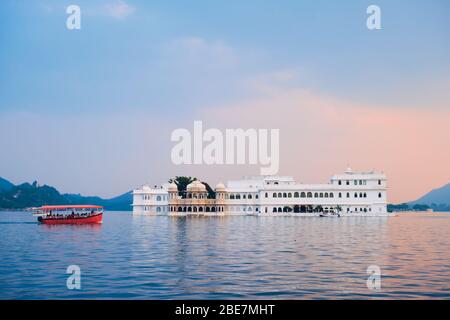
220,187
196,186
172,187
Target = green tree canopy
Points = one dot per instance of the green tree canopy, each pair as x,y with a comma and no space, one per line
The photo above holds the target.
183,181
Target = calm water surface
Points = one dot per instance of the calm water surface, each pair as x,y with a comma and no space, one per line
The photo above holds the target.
131,257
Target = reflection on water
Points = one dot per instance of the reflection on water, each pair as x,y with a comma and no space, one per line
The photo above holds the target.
226,257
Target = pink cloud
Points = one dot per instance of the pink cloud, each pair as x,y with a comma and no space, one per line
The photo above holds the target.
119,9
321,135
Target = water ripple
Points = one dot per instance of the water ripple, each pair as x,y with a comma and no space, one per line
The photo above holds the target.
226,258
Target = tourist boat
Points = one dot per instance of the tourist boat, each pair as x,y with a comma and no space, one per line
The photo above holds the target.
70,214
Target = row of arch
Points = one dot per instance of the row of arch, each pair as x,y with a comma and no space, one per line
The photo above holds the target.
311,208
158,198
302,209
295,209
361,182
196,209
274,195
301,195
315,195
238,196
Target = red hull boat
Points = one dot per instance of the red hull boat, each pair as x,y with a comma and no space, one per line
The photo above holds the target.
74,214
76,220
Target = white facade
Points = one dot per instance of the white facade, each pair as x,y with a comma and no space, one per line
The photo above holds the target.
151,201
350,193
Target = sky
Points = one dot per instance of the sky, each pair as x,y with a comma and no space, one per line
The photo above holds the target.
91,111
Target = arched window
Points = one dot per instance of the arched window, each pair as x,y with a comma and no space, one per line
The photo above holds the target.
274,209
279,195
231,196
158,209
360,195
356,194
321,195
316,195
289,195
365,195
302,195
296,194
309,195
348,194
238,196
280,210
158,198
244,196
274,194
250,196
340,195
326,194
379,195
331,195
284,195
267,195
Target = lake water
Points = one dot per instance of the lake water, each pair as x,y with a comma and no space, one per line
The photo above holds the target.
138,257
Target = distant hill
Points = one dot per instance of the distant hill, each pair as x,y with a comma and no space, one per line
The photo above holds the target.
439,197
30,195
33,195
5,185
119,203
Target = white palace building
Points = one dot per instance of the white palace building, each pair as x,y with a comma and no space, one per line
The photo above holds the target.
347,194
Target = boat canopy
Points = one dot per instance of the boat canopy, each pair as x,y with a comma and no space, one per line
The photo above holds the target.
65,207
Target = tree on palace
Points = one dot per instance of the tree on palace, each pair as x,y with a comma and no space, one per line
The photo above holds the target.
183,181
